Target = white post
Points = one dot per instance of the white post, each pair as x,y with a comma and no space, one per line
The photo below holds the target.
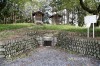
88,32
93,30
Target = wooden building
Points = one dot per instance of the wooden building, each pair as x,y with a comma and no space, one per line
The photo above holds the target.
56,19
38,17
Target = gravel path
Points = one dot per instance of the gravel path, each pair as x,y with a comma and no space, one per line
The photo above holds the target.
48,56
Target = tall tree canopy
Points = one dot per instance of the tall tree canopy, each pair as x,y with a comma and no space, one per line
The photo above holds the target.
92,7
2,4
63,4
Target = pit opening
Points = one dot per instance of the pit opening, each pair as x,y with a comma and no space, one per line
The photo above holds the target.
47,43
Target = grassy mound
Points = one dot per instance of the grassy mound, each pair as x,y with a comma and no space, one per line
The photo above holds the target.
14,26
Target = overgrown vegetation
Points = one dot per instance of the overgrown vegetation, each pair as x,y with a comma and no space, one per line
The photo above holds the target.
18,29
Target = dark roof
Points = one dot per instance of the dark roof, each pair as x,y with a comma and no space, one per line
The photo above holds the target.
37,12
56,15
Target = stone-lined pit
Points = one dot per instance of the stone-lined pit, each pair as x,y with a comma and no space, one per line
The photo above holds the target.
47,40
47,43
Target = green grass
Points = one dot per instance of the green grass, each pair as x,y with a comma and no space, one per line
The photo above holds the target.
14,26
45,27
63,27
53,27
11,29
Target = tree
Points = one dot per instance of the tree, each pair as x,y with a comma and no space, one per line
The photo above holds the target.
13,10
72,6
2,4
94,11
19,8
57,5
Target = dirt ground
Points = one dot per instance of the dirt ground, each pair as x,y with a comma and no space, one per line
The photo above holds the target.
49,56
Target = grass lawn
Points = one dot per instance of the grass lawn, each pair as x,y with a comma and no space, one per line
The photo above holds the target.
70,28
14,26
6,30
45,27
64,27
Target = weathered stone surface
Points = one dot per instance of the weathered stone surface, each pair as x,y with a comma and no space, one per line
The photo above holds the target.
85,46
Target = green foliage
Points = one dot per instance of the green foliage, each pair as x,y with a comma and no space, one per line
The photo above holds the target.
92,7
19,8
92,4
81,14
65,4
70,4
56,4
2,4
